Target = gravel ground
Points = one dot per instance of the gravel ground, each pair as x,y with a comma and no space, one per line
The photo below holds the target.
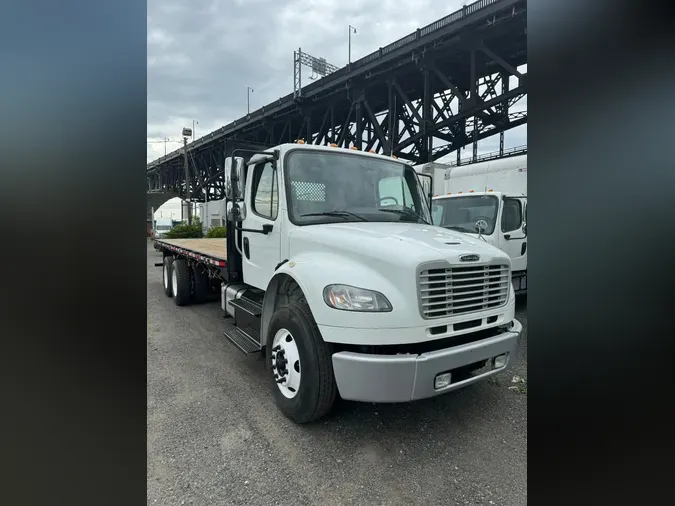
216,437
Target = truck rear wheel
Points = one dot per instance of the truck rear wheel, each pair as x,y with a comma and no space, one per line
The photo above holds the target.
301,367
166,276
180,279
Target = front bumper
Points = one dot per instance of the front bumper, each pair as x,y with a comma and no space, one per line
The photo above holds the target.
403,378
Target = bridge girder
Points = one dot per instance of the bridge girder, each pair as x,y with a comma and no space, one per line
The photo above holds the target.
435,99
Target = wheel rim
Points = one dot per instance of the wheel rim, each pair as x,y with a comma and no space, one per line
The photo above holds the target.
286,363
174,280
166,276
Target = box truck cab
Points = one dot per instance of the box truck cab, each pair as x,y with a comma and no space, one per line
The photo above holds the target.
162,226
488,200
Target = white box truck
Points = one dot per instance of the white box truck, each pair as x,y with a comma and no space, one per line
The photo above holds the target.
490,196
332,269
436,171
212,214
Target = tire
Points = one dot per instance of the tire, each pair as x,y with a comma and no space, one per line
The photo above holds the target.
317,389
166,276
202,285
180,274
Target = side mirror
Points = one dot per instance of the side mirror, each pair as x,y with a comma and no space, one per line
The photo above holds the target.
525,228
481,226
236,211
239,174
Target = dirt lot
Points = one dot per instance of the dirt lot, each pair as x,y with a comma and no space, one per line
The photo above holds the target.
216,437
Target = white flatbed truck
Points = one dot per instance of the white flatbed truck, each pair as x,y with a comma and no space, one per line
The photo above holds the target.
332,269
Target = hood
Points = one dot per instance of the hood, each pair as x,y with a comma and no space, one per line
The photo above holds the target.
391,242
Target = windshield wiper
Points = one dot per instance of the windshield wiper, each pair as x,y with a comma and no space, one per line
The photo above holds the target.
337,212
405,212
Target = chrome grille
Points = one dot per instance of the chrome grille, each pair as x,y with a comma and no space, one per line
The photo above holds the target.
460,290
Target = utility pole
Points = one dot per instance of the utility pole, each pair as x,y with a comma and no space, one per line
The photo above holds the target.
194,131
166,139
349,61
248,99
187,133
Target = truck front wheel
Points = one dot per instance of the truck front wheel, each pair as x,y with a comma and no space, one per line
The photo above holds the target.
166,276
300,363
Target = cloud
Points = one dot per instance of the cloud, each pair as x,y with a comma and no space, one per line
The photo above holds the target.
203,54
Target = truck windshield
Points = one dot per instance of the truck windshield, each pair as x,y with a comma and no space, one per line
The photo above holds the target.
462,213
334,187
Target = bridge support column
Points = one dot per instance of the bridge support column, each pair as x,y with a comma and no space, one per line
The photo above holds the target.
427,118
393,118
504,111
474,102
358,109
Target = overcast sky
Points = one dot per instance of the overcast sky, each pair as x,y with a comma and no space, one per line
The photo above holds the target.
202,54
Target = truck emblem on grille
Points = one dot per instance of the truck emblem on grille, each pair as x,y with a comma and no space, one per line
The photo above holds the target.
469,258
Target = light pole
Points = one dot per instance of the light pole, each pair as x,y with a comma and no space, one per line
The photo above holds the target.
187,133
350,43
194,122
249,90
166,139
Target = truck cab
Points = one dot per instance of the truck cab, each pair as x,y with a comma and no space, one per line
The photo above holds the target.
497,218
333,270
162,226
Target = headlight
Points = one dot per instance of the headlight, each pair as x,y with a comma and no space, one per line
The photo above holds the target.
350,298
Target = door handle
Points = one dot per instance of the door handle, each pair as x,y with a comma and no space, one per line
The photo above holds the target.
266,229
247,249
507,236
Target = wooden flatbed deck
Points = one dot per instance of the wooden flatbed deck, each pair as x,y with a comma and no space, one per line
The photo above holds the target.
212,250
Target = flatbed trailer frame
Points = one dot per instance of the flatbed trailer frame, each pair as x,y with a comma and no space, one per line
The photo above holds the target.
211,251
210,254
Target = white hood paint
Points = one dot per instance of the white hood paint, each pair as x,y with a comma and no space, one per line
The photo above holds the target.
394,243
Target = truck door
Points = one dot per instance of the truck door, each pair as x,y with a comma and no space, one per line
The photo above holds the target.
261,251
512,238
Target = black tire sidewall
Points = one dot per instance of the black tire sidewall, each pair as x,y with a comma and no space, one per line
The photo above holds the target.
167,269
303,405
182,293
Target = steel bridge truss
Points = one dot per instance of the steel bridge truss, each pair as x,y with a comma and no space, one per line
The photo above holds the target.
420,109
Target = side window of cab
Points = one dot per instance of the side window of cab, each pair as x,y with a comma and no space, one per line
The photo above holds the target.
265,191
512,215
394,191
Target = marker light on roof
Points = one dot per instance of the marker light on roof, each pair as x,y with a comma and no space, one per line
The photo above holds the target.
354,148
299,141
333,145
372,151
